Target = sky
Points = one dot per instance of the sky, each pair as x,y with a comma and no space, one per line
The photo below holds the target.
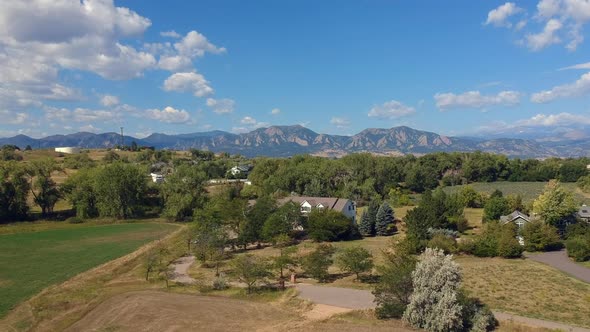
458,67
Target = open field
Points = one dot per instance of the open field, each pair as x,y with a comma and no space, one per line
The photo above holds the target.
527,288
32,261
528,190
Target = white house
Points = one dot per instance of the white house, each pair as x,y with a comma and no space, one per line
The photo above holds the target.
307,204
157,178
240,170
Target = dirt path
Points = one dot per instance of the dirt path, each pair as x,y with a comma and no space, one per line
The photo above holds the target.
560,261
181,267
538,322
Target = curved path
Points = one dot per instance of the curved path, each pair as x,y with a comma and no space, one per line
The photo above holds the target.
181,267
560,261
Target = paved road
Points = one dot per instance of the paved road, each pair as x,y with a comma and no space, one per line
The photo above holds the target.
560,261
362,299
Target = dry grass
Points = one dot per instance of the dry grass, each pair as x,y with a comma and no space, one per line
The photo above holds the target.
474,219
527,288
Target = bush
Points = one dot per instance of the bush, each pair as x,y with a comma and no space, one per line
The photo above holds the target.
220,283
578,247
329,225
539,236
496,240
74,220
508,246
443,242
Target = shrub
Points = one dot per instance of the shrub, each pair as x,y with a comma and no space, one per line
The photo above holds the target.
539,236
74,220
329,225
443,231
316,263
477,317
508,246
495,240
578,247
443,242
220,283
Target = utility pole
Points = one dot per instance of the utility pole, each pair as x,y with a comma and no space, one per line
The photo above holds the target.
121,138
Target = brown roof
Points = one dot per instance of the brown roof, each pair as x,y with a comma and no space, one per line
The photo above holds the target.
331,203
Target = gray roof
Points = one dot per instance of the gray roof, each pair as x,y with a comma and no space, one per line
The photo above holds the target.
332,203
584,212
513,216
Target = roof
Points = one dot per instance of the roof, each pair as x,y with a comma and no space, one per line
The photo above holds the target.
513,216
584,212
333,203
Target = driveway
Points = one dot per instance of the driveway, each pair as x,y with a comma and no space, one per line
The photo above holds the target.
560,261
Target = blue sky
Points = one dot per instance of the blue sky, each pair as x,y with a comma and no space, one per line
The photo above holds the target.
457,68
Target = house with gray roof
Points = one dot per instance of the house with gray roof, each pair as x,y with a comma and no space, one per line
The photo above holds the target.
584,213
307,204
517,217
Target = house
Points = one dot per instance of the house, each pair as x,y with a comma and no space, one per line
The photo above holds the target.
241,170
516,217
157,178
307,204
584,213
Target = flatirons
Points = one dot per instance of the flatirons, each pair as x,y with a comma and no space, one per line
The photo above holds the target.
283,141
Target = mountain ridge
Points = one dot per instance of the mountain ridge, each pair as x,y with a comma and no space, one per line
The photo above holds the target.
284,141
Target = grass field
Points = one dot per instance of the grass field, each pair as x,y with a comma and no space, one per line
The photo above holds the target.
32,261
527,288
528,190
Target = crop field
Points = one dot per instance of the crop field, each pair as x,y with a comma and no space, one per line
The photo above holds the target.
527,190
32,261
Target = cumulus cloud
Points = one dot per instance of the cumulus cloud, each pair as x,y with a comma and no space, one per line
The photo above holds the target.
499,16
552,120
170,34
340,122
546,37
194,44
248,124
221,106
168,115
109,100
275,111
580,87
248,120
392,109
90,129
175,63
188,82
9,117
474,99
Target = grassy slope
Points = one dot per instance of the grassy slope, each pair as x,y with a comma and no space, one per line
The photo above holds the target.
32,261
528,190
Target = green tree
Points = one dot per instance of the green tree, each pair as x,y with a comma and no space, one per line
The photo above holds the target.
330,225
183,192
316,263
285,261
111,156
79,190
28,148
555,205
120,190
256,216
392,293
384,225
250,269
434,304
355,260
44,189
281,222
584,183
539,236
469,197
366,227
495,207
578,247
14,190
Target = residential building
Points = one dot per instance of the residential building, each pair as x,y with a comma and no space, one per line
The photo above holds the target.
307,204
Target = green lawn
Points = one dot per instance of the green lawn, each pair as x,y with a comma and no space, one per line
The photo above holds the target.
30,262
528,190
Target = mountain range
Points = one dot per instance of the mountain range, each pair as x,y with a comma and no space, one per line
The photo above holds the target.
284,141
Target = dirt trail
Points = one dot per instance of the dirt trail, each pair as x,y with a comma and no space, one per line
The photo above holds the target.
560,261
181,267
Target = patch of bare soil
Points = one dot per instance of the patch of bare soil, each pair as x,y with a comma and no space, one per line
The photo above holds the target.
162,311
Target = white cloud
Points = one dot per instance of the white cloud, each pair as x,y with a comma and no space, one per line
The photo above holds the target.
90,129
499,16
170,34
552,120
392,109
221,106
580,87
248,124
79,114
275,111
546,37
474,99
12,118
578,66
109,100
248,120
188,82
168,115
340,122
175,63
195,44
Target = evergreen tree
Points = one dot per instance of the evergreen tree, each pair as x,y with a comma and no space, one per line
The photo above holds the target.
366,227
384,222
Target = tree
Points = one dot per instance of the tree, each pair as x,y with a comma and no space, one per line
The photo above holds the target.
578,247
539,236
330,225
355,260
209,243
250,269
366,227
281,222
495,240
495,207
79,190
183,192
28,148
120,190
134,146
285,261
469,197
111,156
584,183
316,263
434,304
255,218
44,189
384,225
392,293
555,205
14,190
